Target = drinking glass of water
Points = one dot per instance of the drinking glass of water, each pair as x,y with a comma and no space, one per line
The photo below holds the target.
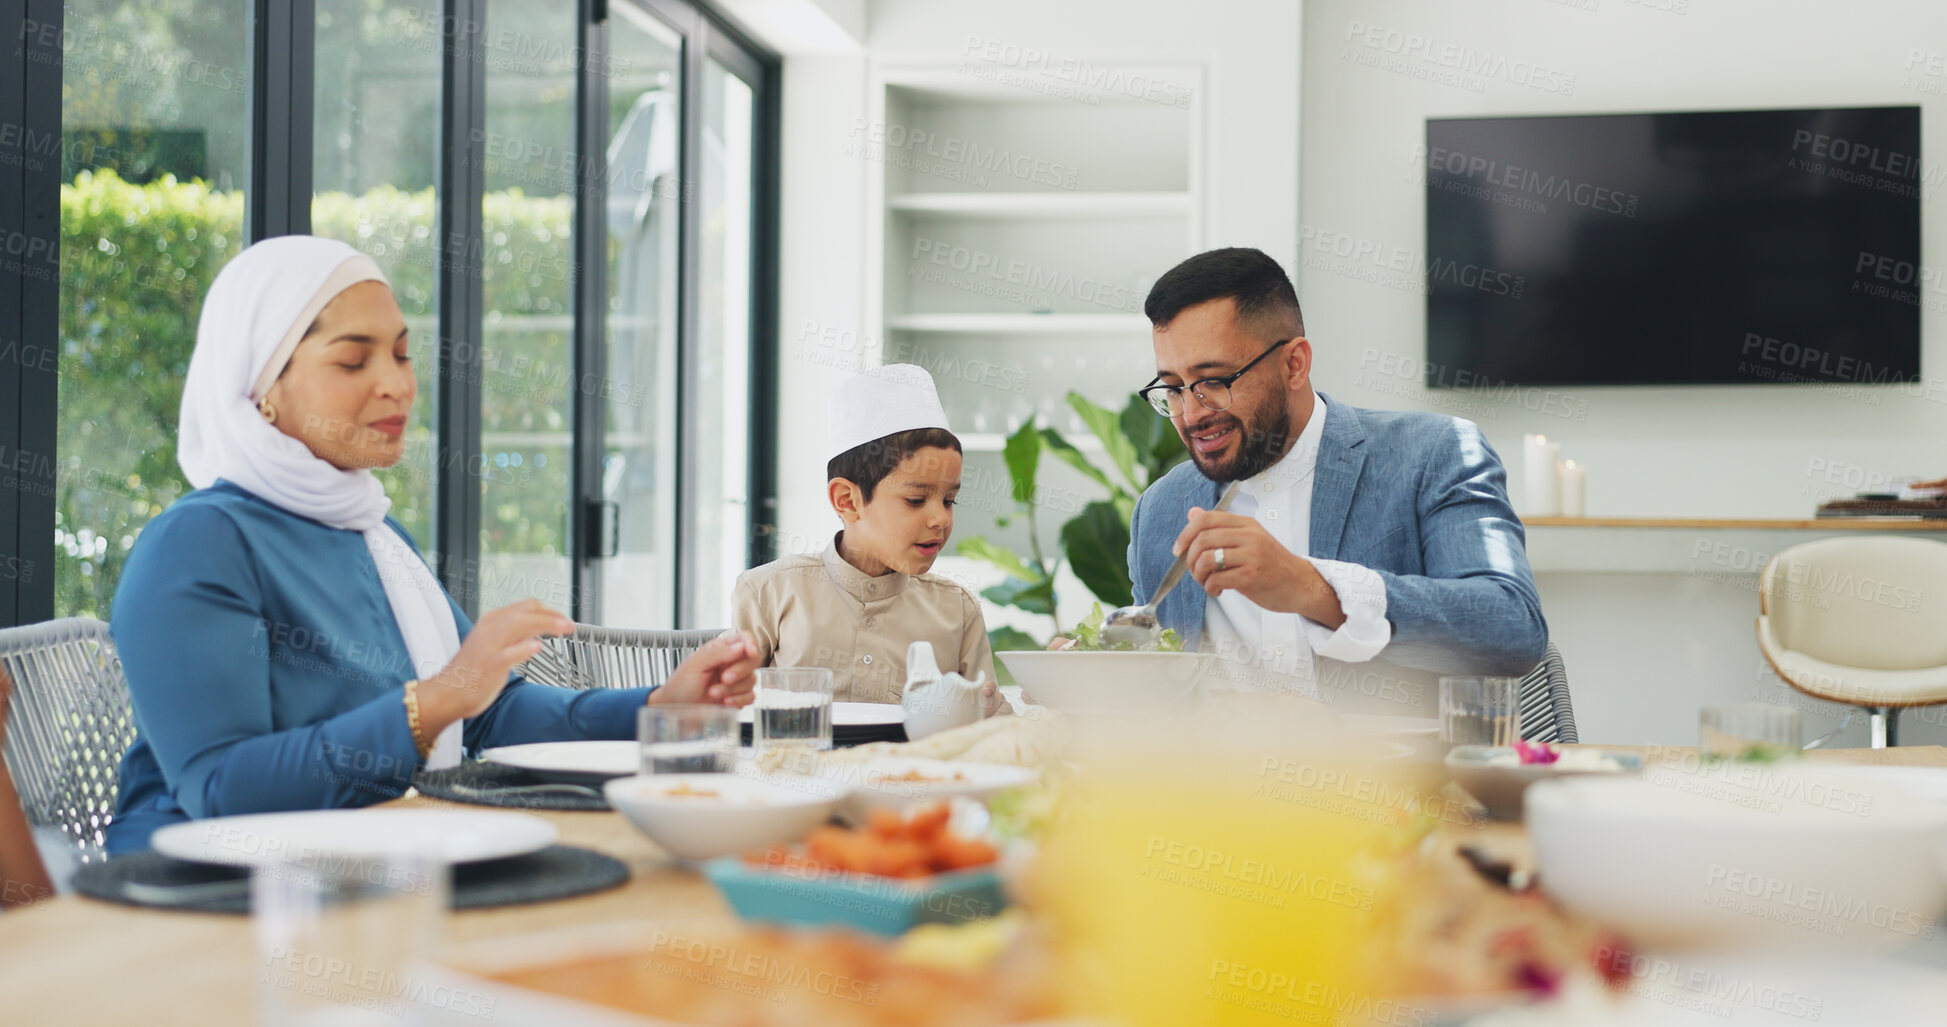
337,937
794,708
1480,711
1753,732
687,738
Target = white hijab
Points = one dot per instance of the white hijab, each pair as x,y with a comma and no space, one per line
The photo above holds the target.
255,314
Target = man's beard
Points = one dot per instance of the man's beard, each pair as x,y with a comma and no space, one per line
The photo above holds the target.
1261,443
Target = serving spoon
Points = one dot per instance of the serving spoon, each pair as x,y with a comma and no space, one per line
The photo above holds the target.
1136,625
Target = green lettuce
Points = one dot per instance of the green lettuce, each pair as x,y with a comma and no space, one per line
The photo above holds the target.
1088,637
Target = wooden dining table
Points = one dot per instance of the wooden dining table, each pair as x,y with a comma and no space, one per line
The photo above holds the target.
75,960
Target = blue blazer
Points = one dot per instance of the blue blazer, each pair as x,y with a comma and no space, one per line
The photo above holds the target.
1421,498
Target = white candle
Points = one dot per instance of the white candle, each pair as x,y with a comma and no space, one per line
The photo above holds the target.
1541,487
1575,489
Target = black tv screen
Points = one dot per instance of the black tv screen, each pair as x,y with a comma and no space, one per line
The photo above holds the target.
1654,249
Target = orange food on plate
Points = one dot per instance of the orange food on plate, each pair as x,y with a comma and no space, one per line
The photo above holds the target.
771,978
915,777
887,846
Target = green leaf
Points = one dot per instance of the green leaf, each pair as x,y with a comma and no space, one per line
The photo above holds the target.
1097,544
1034,596
981,549
1088,634
1158,447
1107,426
1066,452
1007,640
1023,455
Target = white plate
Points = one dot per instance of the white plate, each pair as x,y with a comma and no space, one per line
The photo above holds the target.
849,714
260,839
871,785
578,762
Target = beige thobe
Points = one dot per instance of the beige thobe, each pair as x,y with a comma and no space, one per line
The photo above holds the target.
819,611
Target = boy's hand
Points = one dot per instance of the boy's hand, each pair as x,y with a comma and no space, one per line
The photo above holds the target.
723,671
995,703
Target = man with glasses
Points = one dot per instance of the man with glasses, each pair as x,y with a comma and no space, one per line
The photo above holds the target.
1356,535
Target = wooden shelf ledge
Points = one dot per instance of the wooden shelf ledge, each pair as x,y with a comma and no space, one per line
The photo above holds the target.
1746,523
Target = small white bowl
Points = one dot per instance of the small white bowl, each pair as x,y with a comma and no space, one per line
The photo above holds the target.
877,783
1499,785
1743,856
1108,682
748,812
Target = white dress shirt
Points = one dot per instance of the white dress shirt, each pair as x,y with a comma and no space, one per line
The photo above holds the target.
1265,649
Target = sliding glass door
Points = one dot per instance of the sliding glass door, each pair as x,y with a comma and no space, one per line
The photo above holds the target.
642,240
681,222
575,204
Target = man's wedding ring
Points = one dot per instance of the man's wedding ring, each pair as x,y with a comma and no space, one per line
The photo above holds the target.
1221,565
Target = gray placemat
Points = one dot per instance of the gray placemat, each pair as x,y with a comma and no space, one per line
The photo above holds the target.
481,783
155,881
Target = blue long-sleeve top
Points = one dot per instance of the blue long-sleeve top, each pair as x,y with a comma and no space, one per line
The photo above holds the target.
268,674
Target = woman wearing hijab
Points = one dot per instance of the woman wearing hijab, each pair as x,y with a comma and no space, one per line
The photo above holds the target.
285,646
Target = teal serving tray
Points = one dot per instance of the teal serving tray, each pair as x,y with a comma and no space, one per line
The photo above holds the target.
881,905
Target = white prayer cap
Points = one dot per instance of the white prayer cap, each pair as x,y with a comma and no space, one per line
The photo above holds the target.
880,402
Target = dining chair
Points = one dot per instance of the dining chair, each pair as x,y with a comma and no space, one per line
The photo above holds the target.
599,657
1546,714
1861,621
70,724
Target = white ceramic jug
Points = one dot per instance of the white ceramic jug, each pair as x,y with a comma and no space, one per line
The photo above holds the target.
935,702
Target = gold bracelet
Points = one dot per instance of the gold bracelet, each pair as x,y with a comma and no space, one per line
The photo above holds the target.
419,742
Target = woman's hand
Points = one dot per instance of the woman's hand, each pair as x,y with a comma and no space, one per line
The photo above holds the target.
499,640
723,671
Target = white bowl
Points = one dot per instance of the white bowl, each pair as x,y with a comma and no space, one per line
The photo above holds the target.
749,812
1743,856
1107,682
877,783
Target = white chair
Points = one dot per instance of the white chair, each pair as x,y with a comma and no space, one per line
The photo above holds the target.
1860,621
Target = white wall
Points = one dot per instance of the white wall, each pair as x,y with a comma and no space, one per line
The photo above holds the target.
1643,651
821,280
1250,51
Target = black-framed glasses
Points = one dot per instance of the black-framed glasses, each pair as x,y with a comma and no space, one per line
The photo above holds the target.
1213,393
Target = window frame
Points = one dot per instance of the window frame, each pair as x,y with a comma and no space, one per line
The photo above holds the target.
278,202
30,311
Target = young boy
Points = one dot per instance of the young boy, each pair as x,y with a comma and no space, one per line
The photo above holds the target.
893,478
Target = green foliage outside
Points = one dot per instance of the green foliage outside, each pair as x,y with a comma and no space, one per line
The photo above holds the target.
136,261
1140,448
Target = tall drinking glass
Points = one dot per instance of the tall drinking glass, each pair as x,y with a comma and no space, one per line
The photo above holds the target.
687,738
1480,711
336,937
793,709
1754,732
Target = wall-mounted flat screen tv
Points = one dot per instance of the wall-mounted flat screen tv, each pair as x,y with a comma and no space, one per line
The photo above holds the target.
1776,246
